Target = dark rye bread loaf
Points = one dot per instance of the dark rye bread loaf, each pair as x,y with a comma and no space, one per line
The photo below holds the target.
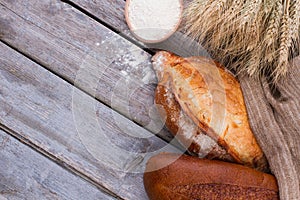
193,178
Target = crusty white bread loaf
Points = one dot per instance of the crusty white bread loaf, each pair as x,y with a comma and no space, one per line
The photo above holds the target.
194,178
185,130
211,97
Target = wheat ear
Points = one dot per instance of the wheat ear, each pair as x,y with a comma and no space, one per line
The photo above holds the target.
255,36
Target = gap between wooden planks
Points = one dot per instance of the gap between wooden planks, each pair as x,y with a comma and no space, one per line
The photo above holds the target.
26,174
111,13
66,41
49,114
85,53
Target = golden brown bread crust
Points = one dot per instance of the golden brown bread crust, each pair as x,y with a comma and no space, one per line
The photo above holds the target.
212,98
185,130
193,178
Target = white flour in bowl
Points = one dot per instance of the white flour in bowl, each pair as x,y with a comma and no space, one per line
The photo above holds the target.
153,20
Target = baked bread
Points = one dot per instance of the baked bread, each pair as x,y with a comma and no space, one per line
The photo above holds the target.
211,97
185,130
194,178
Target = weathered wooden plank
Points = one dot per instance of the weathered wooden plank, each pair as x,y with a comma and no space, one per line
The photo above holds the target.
84,52
73,128
26,174
112,14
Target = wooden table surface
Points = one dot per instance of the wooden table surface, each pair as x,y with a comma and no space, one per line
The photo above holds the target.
77,119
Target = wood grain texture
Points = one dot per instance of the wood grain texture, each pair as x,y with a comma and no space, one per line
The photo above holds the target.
112,14
73,128
85,53
26,174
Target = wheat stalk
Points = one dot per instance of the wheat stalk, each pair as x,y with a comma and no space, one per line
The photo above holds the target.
284,46
255,36
272,31
294,11
274,23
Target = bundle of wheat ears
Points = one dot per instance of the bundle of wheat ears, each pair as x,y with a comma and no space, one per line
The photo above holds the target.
259,37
